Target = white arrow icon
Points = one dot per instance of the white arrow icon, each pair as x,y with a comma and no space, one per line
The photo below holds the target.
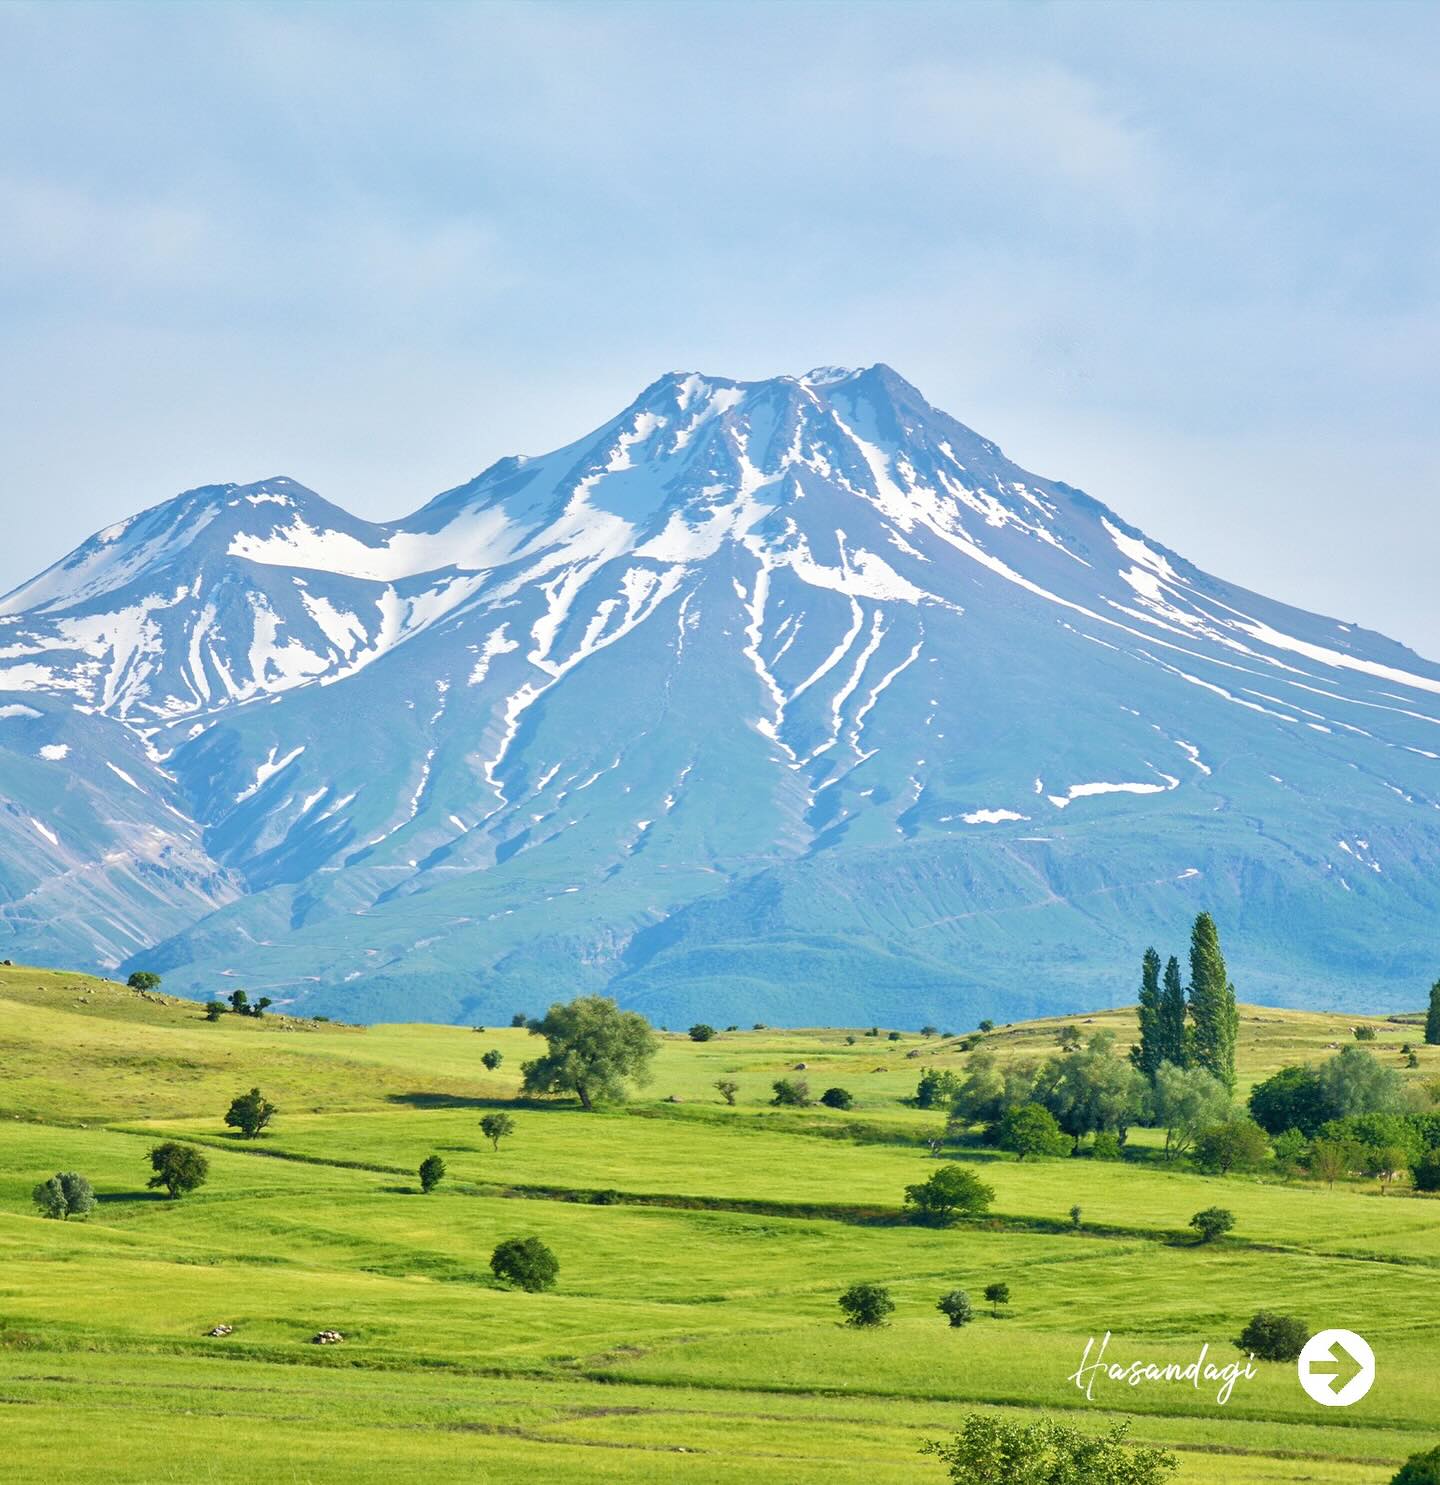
1320,1367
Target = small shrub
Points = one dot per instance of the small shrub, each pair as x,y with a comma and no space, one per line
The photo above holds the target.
1212,1223
1364,1033
526,1263
838,1098
1106,1146
850,1041
992,1451
927,1031
759,1026
1237,1144
1419,1469
1274,1337
1030,1130
955,1306
519,1019
700,1032
66,1194
997,1295
987,1026
492,1059
866,1304
727,1088
1068,1038
432,1172
214,1010
1075,1215
178,1168
791,1093
893,1036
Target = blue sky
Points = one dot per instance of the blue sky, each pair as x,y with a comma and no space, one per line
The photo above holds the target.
1183,255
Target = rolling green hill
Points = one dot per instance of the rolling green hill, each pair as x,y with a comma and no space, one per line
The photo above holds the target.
692,1336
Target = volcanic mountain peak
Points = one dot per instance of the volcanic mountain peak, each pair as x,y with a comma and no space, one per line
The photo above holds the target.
758,680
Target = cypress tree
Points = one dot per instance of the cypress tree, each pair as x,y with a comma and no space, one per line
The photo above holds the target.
1174,1040
1147,1055
1212,1002
1432,1021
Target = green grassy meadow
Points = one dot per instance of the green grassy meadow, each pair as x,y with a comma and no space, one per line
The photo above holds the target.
693,1333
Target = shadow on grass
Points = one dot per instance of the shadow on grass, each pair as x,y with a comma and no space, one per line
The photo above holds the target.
421,1100
116,1198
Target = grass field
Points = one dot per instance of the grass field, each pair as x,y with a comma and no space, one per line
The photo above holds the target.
692,1336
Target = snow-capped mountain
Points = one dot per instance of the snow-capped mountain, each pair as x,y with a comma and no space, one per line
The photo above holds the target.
791,699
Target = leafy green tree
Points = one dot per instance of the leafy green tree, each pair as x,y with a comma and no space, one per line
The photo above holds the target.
1293,1098
1419,1469
727,1088
1364,1033
1212,1003
791,1093
955,1306
1425,1172
1432,1017
1092,1089
700,1032
1147,1054
595,1049
240,1002
988,1091
1076,1213
935,1088
178,1168
1237,1144
987,1025
1031,1130
143,979
1355,1081
519,1019
838,1098
866,1304
1105,1146
432,1172
250,1113
497,1127
1272,1337
66,1194
1173,1034
1292,1151
214,1009
1332,1159
526,1263
1387,1163
995,1296
492,1059
261,1006
1212,1223
1185,1101
948,1193
991,1450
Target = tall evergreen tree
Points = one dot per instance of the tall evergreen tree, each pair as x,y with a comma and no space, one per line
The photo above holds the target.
1146,1056
1432,1021
1174,1039
1212,1003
